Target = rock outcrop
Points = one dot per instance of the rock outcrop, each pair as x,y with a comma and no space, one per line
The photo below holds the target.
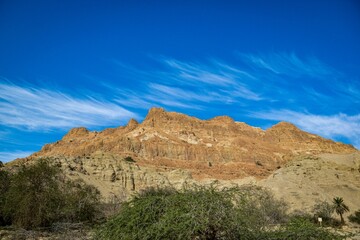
170,148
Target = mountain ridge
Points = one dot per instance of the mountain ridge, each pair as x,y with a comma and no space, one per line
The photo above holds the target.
173,138
173,149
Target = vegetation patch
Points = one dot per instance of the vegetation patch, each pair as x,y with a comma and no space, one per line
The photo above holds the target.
39,195
355,218
129,159
246,212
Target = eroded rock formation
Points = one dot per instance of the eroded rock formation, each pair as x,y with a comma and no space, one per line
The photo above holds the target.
170,148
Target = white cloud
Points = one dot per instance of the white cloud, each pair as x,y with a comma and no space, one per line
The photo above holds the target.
333,126
188,85
8,156
42,109
290,64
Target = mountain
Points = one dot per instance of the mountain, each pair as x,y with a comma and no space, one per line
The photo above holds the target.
170,148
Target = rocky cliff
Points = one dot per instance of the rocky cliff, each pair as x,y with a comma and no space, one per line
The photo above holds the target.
170,148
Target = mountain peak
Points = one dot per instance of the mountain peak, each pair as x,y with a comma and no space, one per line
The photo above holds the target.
177,140
154,112
76,132
284,125
223,119
132,124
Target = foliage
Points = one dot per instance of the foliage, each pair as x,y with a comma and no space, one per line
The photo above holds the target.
340,207
81,201
355,218
4,187
39,195
325,211
260,207
32,195
129,159
198,213
299,228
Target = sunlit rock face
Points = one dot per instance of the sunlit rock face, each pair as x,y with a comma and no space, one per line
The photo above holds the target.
173,149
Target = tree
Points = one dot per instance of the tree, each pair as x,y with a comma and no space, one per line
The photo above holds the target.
340,207
33,195
39,195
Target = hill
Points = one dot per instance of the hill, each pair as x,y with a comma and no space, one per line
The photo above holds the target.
170,148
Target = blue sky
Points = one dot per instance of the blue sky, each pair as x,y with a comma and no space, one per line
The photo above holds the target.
65,64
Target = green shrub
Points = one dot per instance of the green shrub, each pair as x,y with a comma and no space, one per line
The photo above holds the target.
4,188
260,207
81,202
33,196
129,159
198,213
39,195
325,211
355,218
299,228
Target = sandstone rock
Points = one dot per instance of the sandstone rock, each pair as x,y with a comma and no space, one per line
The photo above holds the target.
177,150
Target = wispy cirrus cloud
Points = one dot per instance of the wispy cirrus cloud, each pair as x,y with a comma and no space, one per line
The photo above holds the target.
330,126
290,64
273,81
34,108
189,85
8,156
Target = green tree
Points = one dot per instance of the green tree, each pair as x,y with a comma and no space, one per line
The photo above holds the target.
340,207
40,195
34,197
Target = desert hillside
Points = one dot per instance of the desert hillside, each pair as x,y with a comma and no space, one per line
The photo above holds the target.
170,148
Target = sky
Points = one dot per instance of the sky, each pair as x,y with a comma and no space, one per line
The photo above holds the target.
96,64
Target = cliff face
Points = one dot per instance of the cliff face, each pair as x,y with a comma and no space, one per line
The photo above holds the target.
169,148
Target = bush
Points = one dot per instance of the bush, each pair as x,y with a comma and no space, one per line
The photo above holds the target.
299,228
355,218
260,207
129,159
81,202
325,211
4,188
199,213
33,196
39,195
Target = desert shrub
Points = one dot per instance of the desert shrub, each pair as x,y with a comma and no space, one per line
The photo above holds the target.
39,195
33,196
260,207
129,159
299,228
197,213
325,210
355,218
4,188
81,202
